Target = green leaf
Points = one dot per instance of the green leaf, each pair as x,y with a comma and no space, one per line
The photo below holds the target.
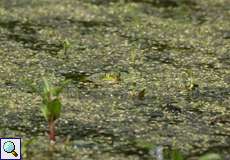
51,108
176,155
46,88
57,90
142,143
45,112
26,146
66,43
210,156
54,109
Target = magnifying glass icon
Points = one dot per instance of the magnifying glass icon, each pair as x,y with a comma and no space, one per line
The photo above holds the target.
9,147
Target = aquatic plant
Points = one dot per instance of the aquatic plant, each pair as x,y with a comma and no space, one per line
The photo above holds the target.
112,77
190,83
160,153
137,94
66,45
133,56
26,147
51,105
210,156
176,155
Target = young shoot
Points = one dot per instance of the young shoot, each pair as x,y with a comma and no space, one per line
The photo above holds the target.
66,45
51,105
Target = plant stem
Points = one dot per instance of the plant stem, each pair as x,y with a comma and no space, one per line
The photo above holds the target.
52,130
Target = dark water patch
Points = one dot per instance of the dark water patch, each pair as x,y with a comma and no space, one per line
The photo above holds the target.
193,112
18,26
154,49
215,93
83,26
80,78
163,58
181,12
81,144
208,94
9,84
10,4
220,149
155,116
156,3
62,21
100,2
31,125
26,33
33,43
102,136
75,75
94,26
224,119
145,42
94,23
118,141
225,59
22,86
78,130
226,34
132,148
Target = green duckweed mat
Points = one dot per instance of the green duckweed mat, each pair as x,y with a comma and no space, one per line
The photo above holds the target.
144,74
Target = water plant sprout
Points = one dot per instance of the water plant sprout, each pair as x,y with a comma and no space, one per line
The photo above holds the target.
66,45
51,105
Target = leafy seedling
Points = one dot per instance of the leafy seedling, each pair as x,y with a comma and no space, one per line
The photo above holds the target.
133,57
51,105
66,45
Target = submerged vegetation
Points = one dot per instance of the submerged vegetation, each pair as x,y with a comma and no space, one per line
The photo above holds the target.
147,79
